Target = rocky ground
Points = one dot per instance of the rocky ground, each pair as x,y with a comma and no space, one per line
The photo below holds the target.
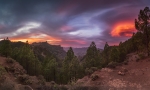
14,77
134,75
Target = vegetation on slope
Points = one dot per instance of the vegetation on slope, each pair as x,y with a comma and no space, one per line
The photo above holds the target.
56,65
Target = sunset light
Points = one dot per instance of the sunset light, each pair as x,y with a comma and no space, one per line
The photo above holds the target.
123,29
38,38
74,44
74,23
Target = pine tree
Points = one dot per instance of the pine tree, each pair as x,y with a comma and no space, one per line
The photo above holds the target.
122,53
66,62
28,60
105,54
70,66
114,55
5,47
15,53
106,46
74,67
70,55
50,69
92,58
142,25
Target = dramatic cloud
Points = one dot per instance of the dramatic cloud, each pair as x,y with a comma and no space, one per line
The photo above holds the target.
73,23
123,29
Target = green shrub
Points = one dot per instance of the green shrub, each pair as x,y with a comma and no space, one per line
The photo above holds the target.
28,82
94,77
24,79
112,64
125,62
88,71
94,68
93,88
91,70
83,88
41,80
10,60
63,87
141,56
2,70
78,88
2,74
10,69
7,85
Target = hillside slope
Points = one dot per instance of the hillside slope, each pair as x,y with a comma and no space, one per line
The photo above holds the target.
78,51
133,76
43,48
14,77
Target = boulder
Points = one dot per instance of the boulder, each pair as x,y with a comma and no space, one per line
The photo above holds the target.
121,73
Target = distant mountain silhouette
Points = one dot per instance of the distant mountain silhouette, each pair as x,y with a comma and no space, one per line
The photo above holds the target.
80,52
45,48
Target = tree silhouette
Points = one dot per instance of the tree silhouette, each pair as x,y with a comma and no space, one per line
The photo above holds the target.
50,69
92,58
114,56
5,47
66,65
106,46
142,24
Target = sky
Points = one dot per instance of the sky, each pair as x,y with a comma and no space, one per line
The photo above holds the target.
74,23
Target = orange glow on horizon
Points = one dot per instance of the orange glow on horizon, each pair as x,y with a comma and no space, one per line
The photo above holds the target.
38,38
125,28
31,40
